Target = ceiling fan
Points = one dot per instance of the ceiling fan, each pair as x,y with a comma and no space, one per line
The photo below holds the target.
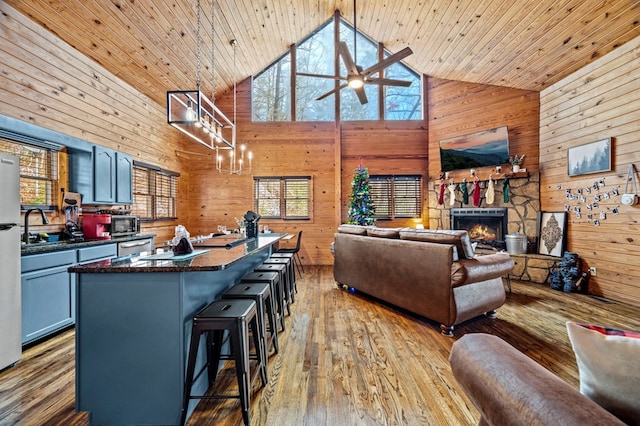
357,77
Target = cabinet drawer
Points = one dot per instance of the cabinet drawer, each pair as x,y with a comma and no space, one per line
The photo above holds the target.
48,260
98,252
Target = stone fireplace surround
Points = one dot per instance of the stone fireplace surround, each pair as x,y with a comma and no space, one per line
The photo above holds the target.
522,208
522,212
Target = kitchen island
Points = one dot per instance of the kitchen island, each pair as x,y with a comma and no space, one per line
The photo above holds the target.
133,326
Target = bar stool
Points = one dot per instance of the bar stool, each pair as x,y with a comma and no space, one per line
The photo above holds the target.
288,263
235,316
261,294
284,278
290,267
273,279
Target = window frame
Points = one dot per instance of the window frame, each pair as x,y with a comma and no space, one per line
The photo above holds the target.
50,177
153,173
343,100
283,198
389,184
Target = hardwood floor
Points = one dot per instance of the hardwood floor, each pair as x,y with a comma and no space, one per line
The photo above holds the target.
344,360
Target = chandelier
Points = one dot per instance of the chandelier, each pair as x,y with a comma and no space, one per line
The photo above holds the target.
197,116
237,163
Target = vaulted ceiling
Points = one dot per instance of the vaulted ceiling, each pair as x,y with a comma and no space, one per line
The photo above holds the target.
151,44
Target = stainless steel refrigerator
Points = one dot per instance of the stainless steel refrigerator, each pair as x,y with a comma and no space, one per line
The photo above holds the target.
10,291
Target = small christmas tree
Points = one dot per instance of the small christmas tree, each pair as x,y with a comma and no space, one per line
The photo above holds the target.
361,208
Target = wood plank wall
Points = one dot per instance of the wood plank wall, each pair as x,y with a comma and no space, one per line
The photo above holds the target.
599,101
458,108
50,84
303,148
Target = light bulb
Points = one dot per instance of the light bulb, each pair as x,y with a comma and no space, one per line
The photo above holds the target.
355,81
190,115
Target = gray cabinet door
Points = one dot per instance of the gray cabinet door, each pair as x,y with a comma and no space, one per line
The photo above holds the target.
124,178
48,302
104,175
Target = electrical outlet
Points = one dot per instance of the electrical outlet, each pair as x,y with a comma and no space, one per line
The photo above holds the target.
593,271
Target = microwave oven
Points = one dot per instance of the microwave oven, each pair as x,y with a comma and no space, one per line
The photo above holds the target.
124,225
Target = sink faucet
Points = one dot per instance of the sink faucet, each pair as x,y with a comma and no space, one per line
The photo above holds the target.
25,237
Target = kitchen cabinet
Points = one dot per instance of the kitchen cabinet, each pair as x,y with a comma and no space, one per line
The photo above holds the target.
49,290
124,178
48,293
101,252
104,175
101,175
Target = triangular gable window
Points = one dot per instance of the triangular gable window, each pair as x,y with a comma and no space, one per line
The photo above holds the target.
272,92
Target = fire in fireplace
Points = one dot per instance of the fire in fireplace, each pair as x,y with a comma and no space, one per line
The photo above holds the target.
485,226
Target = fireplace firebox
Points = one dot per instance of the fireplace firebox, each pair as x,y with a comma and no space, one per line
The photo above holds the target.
485,226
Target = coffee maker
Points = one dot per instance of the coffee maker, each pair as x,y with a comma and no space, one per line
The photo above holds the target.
96,226
72,230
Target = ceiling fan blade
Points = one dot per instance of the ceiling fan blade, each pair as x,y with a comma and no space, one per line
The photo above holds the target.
331,92
389,82
333,77
343,50
361,95
390,60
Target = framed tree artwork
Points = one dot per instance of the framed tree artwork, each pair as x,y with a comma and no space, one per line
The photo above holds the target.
552,237
593,157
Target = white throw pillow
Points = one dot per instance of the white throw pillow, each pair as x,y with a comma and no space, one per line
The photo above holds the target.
609,366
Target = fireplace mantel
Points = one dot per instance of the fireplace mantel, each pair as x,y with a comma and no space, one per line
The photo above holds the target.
522,206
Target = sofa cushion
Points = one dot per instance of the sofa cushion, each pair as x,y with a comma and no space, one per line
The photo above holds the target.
352,229
481,268
458,238
608,365
383,232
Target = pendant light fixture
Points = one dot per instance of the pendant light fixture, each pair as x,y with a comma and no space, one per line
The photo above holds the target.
194,114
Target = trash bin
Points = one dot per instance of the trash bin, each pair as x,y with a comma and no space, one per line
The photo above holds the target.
516,243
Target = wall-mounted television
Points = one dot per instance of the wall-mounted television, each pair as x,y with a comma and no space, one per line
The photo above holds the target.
481,149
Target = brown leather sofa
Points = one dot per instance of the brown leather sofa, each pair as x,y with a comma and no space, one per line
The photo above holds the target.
431,273
509,388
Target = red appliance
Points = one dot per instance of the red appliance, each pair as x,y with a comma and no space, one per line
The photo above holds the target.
96,226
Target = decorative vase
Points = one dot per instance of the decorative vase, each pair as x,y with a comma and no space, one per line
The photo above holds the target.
516,168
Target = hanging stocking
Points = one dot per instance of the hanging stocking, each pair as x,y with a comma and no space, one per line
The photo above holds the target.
465,192
505,189
476,193
490,195
452,192
441,195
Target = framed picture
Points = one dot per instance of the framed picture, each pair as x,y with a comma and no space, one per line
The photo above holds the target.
552,237
593,157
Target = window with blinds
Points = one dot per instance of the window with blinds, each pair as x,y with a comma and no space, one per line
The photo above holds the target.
283,197
38,173
154,192
396,196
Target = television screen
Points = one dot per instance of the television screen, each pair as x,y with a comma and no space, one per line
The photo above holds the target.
480,149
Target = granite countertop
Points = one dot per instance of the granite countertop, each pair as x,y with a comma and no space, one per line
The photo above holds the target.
39,248
210,254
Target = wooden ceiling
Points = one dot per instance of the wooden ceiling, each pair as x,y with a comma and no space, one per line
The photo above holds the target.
151,44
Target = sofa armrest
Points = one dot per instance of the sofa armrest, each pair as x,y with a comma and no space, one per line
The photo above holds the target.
480,268
509,388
